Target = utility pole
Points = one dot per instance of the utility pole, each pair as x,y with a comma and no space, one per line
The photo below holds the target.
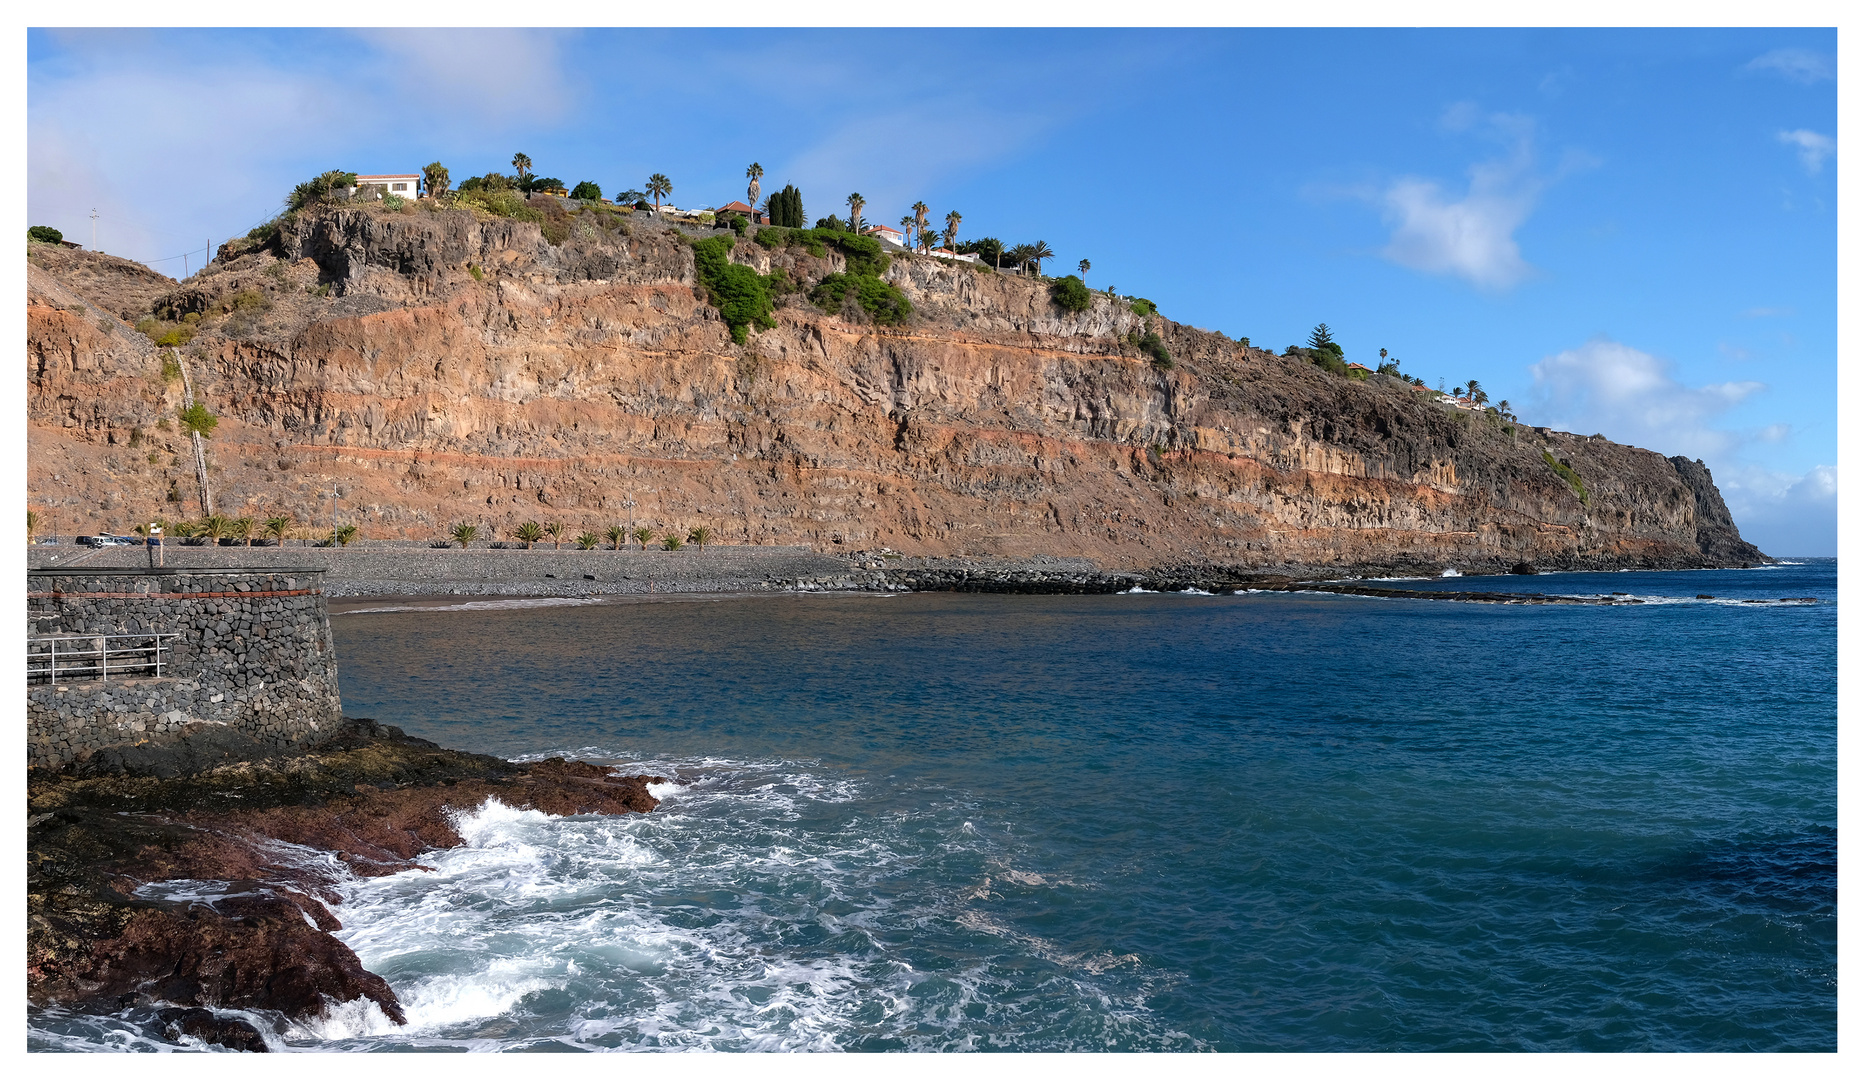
93,228
629,505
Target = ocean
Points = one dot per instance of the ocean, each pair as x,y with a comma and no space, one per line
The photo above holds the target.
1135,822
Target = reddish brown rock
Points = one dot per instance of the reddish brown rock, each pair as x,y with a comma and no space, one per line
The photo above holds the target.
566,379
257,935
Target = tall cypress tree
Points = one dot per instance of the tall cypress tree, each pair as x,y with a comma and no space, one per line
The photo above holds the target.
787,208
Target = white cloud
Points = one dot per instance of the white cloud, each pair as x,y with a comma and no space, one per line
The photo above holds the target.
1800,65
1472,236
169,154
1814,148
1631,397
1781,513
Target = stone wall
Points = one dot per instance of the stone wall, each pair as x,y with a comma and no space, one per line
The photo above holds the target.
253,651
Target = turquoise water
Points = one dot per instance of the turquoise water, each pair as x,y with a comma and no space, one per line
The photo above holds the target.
1132,822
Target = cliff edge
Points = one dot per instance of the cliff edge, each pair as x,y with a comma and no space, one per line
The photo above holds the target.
435,366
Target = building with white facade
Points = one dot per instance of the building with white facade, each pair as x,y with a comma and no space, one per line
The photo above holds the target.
407,185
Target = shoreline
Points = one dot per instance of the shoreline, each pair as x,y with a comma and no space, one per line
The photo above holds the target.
421,576
368,800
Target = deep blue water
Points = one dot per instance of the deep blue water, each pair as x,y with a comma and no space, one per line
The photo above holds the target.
1132,822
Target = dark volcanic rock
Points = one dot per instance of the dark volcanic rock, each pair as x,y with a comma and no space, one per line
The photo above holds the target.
227,1031
1717,537
104,835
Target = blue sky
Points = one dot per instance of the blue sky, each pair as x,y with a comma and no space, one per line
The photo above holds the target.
1629,232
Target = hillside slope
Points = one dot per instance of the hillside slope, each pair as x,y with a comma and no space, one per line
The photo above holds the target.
443,366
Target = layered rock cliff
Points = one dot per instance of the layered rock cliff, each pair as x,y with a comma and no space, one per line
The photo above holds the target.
435,367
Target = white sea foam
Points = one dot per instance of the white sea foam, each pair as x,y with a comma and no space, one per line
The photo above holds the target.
762,906
1451,573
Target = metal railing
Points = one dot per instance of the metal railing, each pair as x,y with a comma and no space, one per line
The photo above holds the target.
96,656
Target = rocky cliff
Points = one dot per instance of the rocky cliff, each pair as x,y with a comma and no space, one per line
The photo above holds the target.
439,366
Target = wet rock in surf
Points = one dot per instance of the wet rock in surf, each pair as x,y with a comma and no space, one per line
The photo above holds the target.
202,1024
105,836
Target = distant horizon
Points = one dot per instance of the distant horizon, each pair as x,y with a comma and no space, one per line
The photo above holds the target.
1623,232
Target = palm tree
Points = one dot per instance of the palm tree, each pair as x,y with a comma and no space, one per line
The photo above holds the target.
530,532
464,534
242,529
1083,266
32,524
671,542
855,203
345,534
588,541
277,526
659,187
1038,252
436,179
755,173
927,239
555,530
1019,256
214,526
617,536
521,164
642,535
952,220
700,535
919,216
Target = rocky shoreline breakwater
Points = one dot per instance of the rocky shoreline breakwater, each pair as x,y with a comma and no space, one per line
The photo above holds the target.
198,876
409,570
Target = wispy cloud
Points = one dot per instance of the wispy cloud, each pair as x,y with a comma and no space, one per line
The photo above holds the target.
1470,234
267,112
1814,147
1632,396
1767,312
1799,65
490,74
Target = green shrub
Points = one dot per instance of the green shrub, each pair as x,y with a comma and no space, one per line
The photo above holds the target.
393,202
324,187
586,189
741,294
478,274
884,304
195,419
490,182
45,234
1567,474
770,237
499,202
736,222
249,300
1071,295
1142,306
1153,346
176,337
